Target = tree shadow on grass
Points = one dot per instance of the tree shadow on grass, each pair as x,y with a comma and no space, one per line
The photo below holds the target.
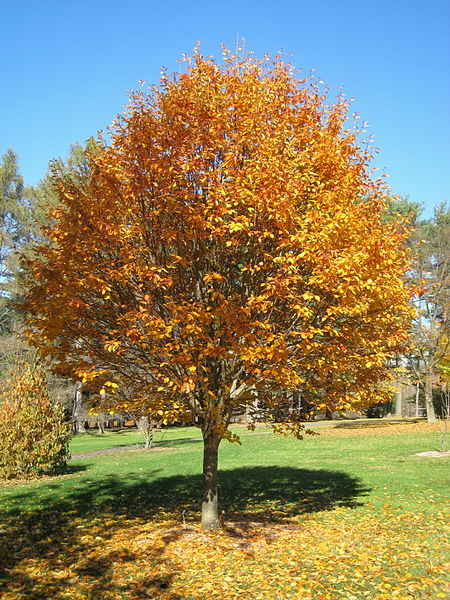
279,493
53,534
69,469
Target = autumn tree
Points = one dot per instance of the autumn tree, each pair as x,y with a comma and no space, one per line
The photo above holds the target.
228,242
35,214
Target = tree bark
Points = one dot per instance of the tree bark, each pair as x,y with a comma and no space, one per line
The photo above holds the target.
398,401
101,422
77,424
145,426
417,398
210,502
431,415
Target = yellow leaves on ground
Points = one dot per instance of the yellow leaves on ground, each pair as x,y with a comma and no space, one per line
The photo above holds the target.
377,427
327,556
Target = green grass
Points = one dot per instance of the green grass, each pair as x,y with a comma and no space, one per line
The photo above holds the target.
92,441
386,466
268,478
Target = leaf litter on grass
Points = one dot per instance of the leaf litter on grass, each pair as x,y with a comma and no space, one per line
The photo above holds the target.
377,427
328,555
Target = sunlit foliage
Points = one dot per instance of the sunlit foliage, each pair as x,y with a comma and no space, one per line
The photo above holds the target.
228,243
34,436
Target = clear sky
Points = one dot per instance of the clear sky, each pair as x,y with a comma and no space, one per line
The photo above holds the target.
67,66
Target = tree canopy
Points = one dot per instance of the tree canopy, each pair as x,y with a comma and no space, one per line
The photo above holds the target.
226,242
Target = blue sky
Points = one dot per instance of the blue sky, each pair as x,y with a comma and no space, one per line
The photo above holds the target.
67,66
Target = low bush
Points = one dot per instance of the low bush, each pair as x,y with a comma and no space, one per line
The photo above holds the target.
34,437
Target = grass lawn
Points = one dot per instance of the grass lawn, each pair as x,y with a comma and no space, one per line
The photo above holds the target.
351,514
93,441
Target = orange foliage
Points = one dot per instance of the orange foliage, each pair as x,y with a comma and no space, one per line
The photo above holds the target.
229,239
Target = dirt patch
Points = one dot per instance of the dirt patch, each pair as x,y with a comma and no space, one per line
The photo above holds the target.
434,454
154,449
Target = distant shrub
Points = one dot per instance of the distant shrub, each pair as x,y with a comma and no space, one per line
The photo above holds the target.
34,436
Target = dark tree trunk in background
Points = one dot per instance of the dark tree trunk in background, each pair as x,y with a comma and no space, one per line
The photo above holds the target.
431,414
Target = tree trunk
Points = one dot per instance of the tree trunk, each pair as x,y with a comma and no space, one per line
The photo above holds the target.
145,426
445,416
398,401
149,437
101,422
431,415
417,398
210,502
77,423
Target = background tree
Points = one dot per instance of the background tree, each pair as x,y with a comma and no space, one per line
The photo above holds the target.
444,391
229,238
14,207
407,210
431,278
44,196
25,212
